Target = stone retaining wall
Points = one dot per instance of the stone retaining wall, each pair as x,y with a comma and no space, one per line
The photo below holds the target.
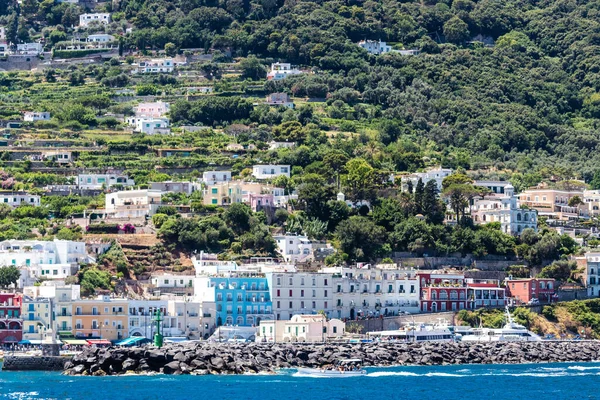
243,358
38,363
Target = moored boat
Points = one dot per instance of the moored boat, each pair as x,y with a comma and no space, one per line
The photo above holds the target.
510,332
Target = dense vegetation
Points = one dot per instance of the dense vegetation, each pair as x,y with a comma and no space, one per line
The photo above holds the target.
525,109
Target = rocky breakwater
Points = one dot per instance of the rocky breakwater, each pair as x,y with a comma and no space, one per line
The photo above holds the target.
248,358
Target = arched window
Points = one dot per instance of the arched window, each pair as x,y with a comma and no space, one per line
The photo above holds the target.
239,321
229,320
519,217
433,295
526,217
250,321
443,295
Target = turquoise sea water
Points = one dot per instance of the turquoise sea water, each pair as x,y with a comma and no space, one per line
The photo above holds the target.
466,382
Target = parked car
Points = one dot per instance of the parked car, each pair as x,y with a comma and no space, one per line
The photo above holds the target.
533,302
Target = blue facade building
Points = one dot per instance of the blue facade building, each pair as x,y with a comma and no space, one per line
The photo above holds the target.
240,300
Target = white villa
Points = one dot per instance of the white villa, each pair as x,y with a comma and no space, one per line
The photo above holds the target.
270,171
132,203
435,174
15,199
160,65
86,19
375,47
99,181
213,177
281,71
294,248
31,116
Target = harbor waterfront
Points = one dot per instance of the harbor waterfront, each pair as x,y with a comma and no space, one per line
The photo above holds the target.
250,358
515,382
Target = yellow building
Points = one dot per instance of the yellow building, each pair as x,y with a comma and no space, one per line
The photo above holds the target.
104,318
37,316
222,194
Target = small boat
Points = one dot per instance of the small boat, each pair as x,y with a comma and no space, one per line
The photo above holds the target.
348,368
511,332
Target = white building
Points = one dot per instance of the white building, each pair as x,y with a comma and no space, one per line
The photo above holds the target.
281,71
131,203
152,126
270,171
592,199
99,181
31,116
301,293
592,273
161,65
504,208
2,33
313,328
86,19
43,259
375,47
100,38
208,264
374,291
180,318
437,175
155,109
170,281
30,48
187,312
214,177
295,248
58,156
16,199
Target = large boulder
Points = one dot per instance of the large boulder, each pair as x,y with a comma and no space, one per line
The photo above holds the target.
171,368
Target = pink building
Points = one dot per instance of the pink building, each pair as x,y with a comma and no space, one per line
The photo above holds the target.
11,323
258,201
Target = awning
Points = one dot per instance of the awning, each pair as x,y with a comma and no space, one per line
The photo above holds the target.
75,342
102,342
24,342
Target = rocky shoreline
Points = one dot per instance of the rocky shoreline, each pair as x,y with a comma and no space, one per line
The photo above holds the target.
249,358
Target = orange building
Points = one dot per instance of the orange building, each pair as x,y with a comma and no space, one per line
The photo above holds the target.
101,318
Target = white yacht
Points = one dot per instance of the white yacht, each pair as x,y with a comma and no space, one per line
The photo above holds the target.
438,332
511,332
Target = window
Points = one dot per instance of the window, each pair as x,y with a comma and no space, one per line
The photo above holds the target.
302,305
325,305
214,190
314,293
302,293
278,281
291,305
278,304
325,281
278,292
291,293
314,304
325,293
291,281
314,281
301,281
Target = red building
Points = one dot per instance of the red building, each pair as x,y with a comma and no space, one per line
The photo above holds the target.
523,290
11,324
443,292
